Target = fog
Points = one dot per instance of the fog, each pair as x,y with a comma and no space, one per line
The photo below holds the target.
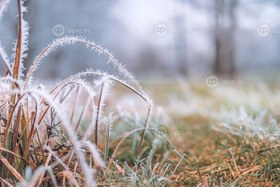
159,38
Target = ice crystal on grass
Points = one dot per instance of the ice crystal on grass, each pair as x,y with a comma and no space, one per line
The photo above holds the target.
3,6
42,129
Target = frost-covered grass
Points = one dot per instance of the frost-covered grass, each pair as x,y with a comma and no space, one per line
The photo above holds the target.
52,136
230,134
227,136
97,129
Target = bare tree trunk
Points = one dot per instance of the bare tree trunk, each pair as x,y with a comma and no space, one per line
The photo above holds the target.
217,62
224,37
180,43
232,30
218,9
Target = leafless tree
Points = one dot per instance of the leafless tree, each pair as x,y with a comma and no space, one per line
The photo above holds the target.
180,43
224,37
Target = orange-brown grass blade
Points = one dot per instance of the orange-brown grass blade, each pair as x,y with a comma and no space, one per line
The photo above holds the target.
11,169
19,43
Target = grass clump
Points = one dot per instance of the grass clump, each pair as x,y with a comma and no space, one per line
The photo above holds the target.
52,137
69,135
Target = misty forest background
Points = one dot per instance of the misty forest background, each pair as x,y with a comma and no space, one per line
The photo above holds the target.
202,37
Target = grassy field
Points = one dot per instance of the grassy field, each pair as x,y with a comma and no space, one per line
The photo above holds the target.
197,136
96,129
226,136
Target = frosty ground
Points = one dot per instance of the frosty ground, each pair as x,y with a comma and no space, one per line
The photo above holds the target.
228,136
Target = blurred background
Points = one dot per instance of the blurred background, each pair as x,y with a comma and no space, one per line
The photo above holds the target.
158,39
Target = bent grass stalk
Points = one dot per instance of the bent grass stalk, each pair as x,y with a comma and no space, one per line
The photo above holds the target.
27,110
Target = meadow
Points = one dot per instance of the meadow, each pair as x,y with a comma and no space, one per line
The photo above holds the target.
100,129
